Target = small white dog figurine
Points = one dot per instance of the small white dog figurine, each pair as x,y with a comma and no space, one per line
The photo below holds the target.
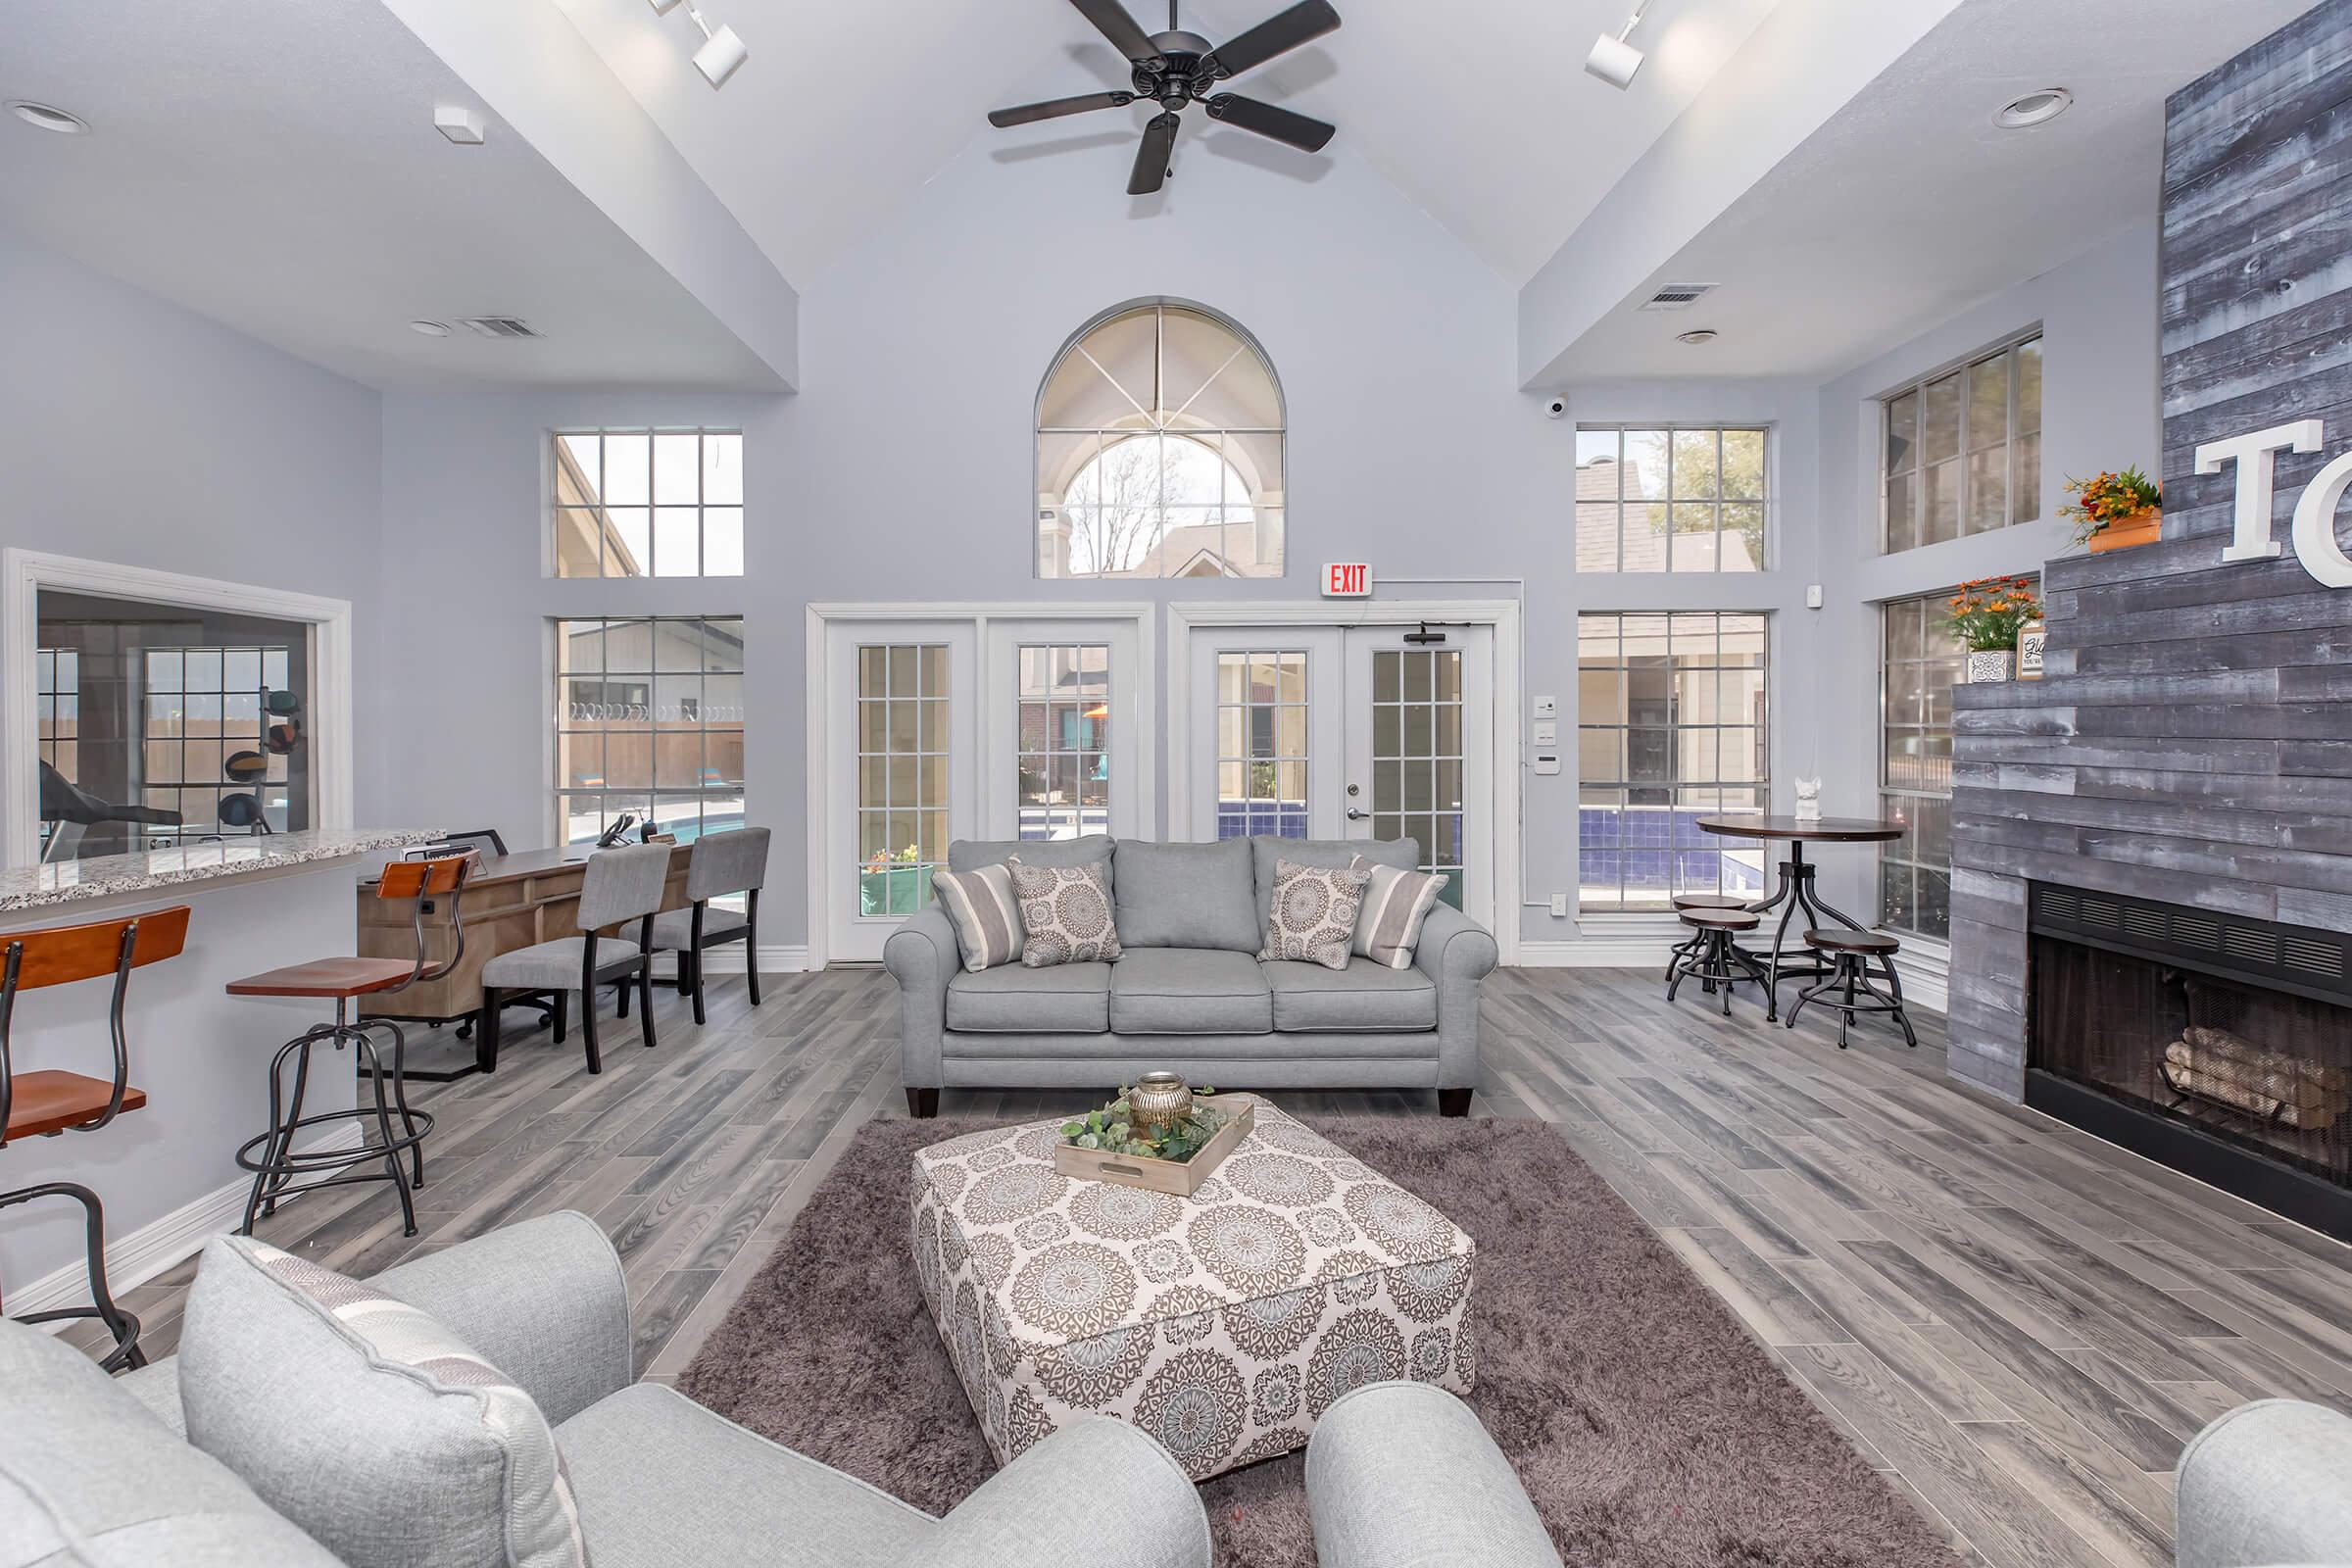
1808,800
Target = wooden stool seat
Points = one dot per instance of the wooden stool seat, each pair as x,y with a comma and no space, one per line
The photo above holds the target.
50,1102
1706,900
326,977
1720,919
1840,940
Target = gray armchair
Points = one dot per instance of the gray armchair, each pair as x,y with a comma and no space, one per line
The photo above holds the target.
2269,1483
1401,1475
102,1465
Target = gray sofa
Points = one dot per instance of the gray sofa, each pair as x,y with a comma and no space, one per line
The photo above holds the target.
1189,991
2268,1482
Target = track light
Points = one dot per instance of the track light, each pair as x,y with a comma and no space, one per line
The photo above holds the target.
721,54
1612,60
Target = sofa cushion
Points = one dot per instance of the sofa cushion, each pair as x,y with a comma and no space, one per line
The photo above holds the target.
665,1484
1187,895
366,1422
1363,998
971,854
1189,990
1067,999
89,1477
1270,852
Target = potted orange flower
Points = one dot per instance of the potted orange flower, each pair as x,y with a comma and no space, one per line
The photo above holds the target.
2114,511
1986,615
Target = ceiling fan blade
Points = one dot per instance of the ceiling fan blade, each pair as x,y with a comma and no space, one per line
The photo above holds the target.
1111,20
1055,108
1151,158
1304,23
1271,119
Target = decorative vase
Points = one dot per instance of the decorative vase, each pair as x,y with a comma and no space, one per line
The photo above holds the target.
2140,528
1990,663
1159,1100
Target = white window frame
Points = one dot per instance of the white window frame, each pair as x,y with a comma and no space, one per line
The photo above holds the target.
558,820
1767,502
553,508
1918,386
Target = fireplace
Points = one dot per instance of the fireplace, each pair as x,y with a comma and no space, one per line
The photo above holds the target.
2218,1044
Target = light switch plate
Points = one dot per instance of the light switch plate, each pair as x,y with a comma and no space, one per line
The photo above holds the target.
1548,732
1548,707
1559,905
1548,763
1813,597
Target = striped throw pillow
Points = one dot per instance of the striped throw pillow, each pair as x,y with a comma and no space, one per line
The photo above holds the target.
1396,903
985,914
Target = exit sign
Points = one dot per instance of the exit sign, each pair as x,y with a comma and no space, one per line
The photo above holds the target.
1348,579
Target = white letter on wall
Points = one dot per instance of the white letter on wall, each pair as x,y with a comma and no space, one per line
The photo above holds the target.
2315,544
2252,455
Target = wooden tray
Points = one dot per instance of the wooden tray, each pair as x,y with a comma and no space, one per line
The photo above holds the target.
1179,1178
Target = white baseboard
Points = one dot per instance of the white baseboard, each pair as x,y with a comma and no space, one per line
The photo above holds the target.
1628,952
137,1256
728,958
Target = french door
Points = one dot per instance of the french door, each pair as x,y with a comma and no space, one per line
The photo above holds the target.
1370,732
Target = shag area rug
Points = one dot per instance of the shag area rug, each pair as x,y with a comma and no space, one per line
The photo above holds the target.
1649,1429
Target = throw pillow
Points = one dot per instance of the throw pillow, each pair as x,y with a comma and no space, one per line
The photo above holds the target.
1312,918
1065,915
366,1422
986,914
1396,903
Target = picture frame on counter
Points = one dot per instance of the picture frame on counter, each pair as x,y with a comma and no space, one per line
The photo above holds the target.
2032,638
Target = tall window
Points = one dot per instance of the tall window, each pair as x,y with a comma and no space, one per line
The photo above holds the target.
649,720
1963,449
647,503
1064,755
1671,727
1665,499
901,774
1261,744
1159,451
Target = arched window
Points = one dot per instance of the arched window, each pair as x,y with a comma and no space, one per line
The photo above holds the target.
1160,436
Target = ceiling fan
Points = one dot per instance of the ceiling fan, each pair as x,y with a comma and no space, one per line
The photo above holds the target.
1175,67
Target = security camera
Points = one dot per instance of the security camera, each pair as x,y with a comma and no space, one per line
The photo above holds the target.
1555,408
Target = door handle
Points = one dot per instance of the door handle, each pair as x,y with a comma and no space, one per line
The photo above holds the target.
1354,816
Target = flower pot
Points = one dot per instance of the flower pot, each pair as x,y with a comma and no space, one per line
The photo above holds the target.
1995,664
2141,528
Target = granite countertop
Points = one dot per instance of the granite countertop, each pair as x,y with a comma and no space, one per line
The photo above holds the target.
69,882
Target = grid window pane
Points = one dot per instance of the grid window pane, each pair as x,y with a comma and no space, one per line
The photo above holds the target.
1671,500
1417,763
202,749
1963,450
649,720
1062,752
1260,734
1670,726
647,503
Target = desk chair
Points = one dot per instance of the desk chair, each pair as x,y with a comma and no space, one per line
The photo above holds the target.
621,885
723,863
51,1103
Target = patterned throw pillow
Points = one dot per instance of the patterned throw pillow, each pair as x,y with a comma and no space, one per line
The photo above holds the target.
1312,919
1065,915
1396,903
986,914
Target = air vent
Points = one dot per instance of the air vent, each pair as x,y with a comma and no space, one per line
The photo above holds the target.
1677,297
2148,924
498,326
2194,929
2100,912
2253,947
2062,906
2312,958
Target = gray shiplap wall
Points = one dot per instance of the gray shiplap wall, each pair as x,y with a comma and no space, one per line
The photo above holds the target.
2193,739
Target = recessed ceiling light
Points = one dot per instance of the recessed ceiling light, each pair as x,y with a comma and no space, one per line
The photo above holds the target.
430,328
46,117
1696,336
2037,108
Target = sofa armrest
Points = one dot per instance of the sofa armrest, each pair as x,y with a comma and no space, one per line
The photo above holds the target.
922,955
544,1299
1400,1474
1458,953
1097,1489
2266,1483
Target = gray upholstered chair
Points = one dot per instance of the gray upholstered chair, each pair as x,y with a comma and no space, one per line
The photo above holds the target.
102,1471
1401,1475
2266,1483
621,885
723,863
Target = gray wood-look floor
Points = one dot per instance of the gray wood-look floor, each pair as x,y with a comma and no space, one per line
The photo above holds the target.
2018,1324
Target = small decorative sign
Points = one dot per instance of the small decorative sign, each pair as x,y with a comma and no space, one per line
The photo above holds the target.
1348,579
2031,638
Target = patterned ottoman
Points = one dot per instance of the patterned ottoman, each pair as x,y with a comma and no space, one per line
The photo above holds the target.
1223,1324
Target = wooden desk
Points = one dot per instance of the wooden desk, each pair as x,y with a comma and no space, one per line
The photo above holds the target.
511,902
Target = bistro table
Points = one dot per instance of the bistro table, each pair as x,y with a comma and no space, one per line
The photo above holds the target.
1796,891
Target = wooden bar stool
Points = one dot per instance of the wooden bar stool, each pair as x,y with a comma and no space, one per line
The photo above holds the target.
50,1102
723,863
621,885
1850,955
1717,960
1691,943
279,1169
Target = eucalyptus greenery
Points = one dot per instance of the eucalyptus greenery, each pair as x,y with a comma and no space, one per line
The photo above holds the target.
1110,1131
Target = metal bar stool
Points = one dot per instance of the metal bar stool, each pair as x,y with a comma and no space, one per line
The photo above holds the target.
1717,960
50,1102
280,1170
723,863
1850,955
621,885
1691,943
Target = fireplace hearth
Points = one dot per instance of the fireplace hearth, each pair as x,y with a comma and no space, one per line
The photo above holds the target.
2219,1044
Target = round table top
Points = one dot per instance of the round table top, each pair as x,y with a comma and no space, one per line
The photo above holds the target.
1822,829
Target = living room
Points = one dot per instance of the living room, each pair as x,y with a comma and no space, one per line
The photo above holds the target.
948,783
